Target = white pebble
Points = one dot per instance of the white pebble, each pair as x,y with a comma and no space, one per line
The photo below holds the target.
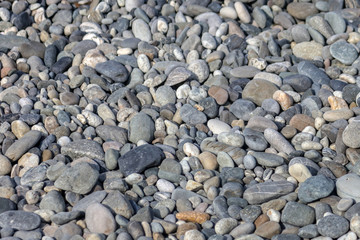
273,215
165,186
143,63
191,150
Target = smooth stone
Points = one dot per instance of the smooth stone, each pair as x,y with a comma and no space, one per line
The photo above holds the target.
5,165
259,123
310,70
300,172
333,226
268,159
278,141
242,108
336,21
217,126
225,225
141,30
334,115
321,25
301,10
255,140
297,214
99,219
61,65
165,95
53,201
258,90
315,188
263,192
346,186
268,229
113,70
308,50
200,69
244,72
83,148
350,135
32,49
65,217
21,146
299,82
80,178
344,52
178,75
141,127
232,139
20,220
139,159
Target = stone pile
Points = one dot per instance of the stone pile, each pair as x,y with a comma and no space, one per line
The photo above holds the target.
179,119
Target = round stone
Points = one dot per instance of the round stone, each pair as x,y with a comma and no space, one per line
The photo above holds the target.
344,52
333,226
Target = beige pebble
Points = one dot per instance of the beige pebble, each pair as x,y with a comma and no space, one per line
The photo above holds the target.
300,172
337,103
283,99
191,150
242,12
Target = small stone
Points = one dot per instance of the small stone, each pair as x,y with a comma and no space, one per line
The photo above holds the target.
192,116
308,50
350,135
208,160
300,172
18,148
301,10
141,127
193,216
345,186
217,126
258,90
5,165
283,99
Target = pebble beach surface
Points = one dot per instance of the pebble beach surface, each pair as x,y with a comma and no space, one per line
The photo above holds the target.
179,119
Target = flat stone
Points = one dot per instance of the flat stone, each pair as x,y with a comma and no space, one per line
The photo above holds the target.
178,75
334,115
113,70
20,220
268,229
308,50
258,90
113,133
263,192
140,158
83,148
244,72
344,52
301,10
268,159
300,121
278,141
141,30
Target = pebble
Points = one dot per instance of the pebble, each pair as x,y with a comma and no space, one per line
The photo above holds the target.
333,226
99,219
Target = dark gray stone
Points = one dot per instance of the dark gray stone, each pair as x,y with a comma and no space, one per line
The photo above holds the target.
242,108
192,116
297,214
113,70
139,159
62,65
315,187
314,73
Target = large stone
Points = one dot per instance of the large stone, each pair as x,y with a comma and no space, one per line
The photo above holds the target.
297,214
140,158
347,186
21,146
263,192
83,148
258,90
20,220
350,135
80,178
315,188
99,219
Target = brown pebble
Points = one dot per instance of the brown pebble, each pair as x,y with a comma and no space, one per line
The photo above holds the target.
208,160
268,229
288,131
192,216
46,155
300,121
263,218
219,94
